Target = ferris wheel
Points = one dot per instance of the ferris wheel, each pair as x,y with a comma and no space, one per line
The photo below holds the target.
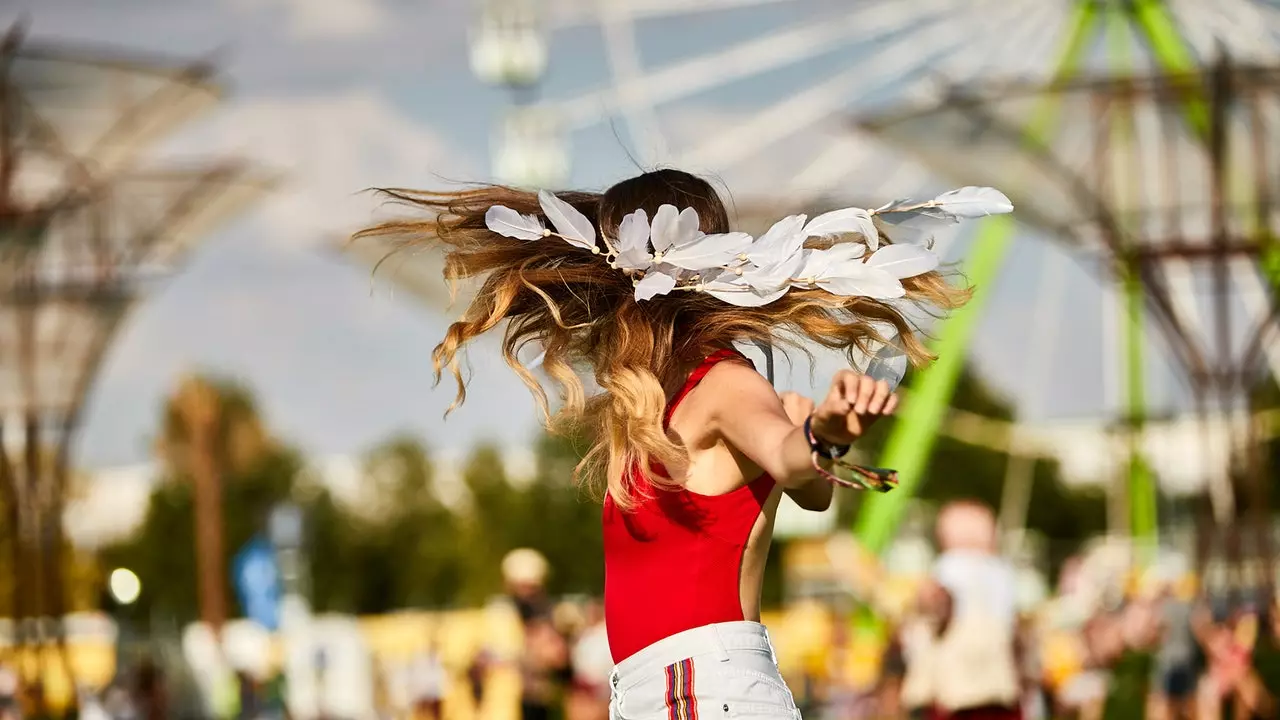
788,68
766,94
804,65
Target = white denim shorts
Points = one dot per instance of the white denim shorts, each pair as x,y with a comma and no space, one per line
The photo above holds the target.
714,672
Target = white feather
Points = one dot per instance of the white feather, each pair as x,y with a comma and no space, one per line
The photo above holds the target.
780,243
671,229
974,202
903,261
509,223
633,242
842,222
860,280
949,207
821,263
655,282
742,295
569,223
776,276
708,251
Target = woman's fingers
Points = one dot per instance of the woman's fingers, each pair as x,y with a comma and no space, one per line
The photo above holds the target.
890,404
844,392
853,403
879,394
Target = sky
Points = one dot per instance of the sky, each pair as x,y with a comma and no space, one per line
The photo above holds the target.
341,95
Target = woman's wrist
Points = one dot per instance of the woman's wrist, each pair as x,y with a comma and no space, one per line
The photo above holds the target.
820,446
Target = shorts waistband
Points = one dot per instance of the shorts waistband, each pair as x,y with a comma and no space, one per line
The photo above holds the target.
718,639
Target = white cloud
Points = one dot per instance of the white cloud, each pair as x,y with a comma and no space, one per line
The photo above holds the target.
326,19
329,148
109,505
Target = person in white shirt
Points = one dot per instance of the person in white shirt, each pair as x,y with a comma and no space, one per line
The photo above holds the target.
969,668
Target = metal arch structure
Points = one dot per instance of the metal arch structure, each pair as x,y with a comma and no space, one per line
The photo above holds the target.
1165,169
963,41
87,225
910,53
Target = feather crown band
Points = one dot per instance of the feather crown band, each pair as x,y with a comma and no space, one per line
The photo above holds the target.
669,253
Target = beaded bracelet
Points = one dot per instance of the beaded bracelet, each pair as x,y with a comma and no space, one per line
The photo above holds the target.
861,477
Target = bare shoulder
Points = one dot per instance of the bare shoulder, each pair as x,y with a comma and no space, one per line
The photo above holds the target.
737,374
731,386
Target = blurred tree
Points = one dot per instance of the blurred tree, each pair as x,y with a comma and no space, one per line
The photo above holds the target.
255,473
337,572
564,519
496,522
407,546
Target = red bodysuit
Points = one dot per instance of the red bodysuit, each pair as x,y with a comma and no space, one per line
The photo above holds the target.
674,562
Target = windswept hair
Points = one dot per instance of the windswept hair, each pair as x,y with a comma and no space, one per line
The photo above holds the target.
584,315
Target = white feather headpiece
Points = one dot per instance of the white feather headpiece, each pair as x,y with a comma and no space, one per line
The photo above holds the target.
669,252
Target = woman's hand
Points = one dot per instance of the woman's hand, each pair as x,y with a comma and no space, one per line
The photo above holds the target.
852,405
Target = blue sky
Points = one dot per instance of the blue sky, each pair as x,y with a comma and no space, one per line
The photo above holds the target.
344,94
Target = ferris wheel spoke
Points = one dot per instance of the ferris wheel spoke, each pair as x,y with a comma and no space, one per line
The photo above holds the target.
852,150
858,156
820,101
624,64
578,13
1034,45
833,163
1030,23
745,59
1240,21
1200,27
1268,12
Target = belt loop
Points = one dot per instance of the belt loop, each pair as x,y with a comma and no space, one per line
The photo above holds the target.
773,654
722,654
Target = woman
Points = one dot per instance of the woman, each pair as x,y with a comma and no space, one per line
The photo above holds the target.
646,288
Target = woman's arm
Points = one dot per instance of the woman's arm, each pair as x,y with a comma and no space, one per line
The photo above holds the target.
747,412
815,495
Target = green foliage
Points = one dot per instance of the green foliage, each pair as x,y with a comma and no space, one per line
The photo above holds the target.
566,519
163,552
410,550
405,554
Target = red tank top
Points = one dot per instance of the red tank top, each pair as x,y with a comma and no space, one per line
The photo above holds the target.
673,562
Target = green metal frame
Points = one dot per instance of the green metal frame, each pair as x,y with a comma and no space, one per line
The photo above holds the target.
911,443
1142,495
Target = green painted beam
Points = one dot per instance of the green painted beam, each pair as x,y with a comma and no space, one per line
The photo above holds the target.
911,442
1143,497
1141,485
1153,19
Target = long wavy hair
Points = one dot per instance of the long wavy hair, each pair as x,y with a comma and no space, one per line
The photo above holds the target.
584,316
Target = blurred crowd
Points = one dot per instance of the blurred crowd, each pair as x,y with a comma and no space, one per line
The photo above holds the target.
965,645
